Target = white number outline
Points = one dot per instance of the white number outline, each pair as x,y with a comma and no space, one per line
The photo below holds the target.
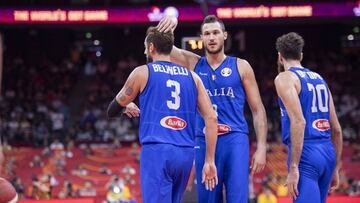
316,91
174,94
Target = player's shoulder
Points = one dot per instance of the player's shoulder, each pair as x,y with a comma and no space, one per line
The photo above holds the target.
140,68
244,68
140,72
242,62
285,78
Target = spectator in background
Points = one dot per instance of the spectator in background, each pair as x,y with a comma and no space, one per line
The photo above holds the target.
36,162
281,190
104,170
128,170
88,190
41,135
79,171
266,196
67,190
88,151
129,180
41,188
117,190
46,152
57,145
19,187
356,153
60,164
67,153
354,187
349,133
135,149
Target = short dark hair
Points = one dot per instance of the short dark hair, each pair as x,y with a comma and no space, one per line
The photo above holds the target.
290,45
163,42
212,19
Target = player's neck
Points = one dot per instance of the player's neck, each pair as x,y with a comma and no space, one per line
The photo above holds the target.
215,59
161,58
292,63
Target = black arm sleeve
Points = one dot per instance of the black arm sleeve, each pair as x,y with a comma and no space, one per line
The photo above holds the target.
114,109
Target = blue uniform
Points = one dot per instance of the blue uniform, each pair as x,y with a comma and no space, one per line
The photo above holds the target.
318,157
225,89
167,132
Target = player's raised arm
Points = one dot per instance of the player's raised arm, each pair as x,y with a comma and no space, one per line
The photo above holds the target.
337,139
285,84
133,86
209,174
182,57
258,112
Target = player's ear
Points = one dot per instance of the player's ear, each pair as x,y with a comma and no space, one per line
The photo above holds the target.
225,35
280,57
301,56
151,47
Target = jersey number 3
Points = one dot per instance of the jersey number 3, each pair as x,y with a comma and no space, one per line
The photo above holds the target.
175,104
320,94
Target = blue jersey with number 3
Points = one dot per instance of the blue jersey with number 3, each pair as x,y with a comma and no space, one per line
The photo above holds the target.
168,105
314,99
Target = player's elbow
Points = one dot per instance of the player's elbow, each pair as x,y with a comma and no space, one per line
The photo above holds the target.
211,120
299,122
336,131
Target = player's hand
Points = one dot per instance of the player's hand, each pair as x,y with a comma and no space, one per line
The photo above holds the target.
167,24
335,181
292,181
132,110
259,160
209,175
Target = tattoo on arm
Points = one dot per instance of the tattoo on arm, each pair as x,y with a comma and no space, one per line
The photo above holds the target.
128,92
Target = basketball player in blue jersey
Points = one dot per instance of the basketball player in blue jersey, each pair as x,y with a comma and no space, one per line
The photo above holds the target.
169,97
230,82
310,127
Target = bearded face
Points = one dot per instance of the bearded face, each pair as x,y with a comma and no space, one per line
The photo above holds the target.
213,37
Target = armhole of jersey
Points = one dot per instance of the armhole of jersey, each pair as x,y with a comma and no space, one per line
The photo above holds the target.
301,85
196,88
147,82
197,64
237,68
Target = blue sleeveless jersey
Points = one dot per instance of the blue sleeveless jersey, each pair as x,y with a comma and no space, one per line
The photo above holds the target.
314,99
226,91
168,105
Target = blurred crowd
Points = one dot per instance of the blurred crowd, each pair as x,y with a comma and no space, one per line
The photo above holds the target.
56,105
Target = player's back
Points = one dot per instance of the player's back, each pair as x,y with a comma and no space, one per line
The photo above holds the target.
314,98
168,105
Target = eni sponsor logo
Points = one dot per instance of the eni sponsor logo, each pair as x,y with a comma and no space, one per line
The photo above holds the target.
226,72
321,124
173,123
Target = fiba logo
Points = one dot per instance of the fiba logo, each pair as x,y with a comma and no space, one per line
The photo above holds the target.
226,72
357,10
157,15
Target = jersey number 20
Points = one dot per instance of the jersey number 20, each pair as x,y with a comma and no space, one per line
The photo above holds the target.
320,94
175,104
